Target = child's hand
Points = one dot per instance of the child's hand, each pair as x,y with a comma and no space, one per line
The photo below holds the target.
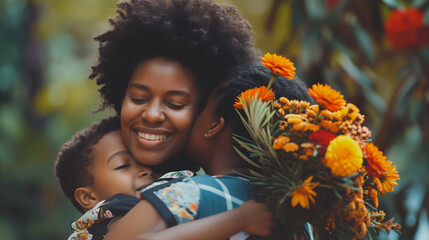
256,218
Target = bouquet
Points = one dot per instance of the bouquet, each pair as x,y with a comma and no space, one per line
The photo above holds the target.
314,163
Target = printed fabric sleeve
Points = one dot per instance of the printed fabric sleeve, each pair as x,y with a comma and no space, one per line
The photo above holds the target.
177,201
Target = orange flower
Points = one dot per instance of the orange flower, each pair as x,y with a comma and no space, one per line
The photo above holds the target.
290,147
305,192
376,161
388,181
279,65
249,94
328,97
373,194
330,126
280,141
343,156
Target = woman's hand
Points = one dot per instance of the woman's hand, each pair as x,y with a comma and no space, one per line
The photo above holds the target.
256,218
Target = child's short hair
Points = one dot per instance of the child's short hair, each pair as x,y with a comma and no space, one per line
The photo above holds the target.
75,158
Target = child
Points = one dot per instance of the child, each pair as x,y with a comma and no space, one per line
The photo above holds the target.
99,176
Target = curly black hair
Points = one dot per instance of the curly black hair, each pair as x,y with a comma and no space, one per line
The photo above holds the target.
75,158
252,76
207,38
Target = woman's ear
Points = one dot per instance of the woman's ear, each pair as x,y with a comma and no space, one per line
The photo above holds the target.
85,197
216,127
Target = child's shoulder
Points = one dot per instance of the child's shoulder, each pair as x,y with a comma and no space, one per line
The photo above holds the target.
93,224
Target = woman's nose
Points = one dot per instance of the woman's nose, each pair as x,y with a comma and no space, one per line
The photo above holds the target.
153,113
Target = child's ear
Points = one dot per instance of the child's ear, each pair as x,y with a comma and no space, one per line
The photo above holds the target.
216,126
85,197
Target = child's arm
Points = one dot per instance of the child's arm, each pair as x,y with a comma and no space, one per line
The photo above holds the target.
251,217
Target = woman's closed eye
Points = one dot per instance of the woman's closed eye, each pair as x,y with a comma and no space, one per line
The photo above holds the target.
175,106
139,100
123,166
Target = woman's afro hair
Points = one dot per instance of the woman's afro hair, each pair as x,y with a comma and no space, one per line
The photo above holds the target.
207,38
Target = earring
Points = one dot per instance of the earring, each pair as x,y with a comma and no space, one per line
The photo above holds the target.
205,134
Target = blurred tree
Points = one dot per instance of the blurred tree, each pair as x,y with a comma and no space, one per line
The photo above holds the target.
45,97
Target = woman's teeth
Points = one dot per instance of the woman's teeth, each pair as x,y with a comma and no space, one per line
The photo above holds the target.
151,137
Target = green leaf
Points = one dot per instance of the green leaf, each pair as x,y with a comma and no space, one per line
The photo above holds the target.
316,9
365,41
364,82
404,95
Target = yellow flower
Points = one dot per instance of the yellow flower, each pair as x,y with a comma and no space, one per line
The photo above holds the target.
328,97
343,156
279,65
305,192
249,94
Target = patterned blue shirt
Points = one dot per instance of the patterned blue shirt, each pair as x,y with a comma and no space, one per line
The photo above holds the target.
190,198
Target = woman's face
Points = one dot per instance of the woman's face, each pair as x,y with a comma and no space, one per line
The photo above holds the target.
158,110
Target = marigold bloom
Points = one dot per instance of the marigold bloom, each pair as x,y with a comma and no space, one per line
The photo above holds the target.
388,181
280,141
291,147
330,126
246,96
304,193
279,65
378,184
328,97
375,159
373,194
343,156
406,29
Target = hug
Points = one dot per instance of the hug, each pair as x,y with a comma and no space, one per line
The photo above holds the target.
171,70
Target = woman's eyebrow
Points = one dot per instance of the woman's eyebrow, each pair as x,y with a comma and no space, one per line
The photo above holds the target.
117,153
138,85
177,92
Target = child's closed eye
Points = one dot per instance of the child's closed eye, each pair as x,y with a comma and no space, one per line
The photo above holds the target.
123,166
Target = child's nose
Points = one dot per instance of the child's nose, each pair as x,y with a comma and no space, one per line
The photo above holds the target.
143,171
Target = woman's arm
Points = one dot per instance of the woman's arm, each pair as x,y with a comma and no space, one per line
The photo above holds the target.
251,217
143,218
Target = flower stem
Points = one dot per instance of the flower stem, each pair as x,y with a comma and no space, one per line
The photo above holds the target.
273,76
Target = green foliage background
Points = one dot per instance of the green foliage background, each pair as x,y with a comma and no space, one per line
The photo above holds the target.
46,51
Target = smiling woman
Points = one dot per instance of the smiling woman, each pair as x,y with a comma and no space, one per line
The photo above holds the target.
158,110
158,65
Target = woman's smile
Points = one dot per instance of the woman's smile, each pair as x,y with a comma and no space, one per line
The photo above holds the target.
158,110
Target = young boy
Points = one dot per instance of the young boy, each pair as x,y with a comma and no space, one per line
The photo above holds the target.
100,177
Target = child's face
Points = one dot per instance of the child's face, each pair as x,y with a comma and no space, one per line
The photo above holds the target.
115,171
158,110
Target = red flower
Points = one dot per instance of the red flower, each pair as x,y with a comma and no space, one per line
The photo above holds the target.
405,29
323,138
332,3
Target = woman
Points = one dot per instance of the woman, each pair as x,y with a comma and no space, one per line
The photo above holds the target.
157,66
